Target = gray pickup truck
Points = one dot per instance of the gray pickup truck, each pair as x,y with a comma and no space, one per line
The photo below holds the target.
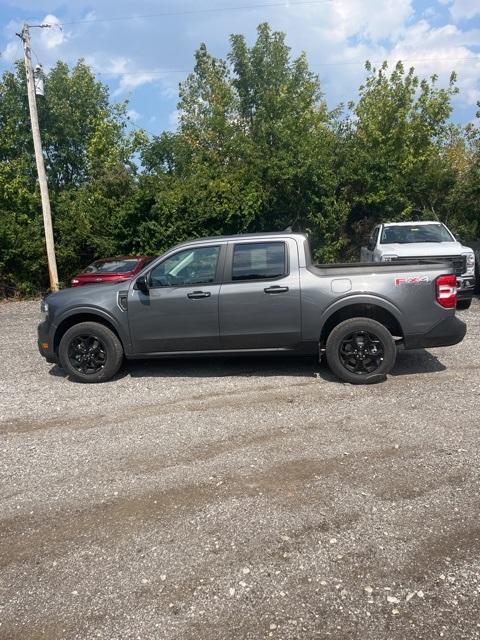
256,293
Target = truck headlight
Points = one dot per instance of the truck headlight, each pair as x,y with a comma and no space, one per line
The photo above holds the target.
470,262
389,258
44,309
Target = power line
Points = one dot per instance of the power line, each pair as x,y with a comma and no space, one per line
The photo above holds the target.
140,128
285,4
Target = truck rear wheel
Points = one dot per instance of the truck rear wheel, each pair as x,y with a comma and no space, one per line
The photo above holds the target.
463,305
90,352
361,351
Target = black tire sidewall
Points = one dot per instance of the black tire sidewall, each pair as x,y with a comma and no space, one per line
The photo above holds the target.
360,324
463,305
112,345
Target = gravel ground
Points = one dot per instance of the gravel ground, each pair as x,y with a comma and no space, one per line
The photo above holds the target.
239,499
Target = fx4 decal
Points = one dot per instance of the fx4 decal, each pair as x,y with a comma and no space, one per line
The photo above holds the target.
412,280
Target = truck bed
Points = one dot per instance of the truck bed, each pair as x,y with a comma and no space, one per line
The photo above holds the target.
354,268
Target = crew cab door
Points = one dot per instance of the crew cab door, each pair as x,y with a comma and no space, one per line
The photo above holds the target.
180,310
260,295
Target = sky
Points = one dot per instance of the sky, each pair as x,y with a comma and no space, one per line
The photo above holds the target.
143,49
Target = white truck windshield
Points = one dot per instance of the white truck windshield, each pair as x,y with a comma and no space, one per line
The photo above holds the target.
406,234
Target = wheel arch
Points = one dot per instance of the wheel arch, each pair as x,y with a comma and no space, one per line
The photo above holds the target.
361,309
85,316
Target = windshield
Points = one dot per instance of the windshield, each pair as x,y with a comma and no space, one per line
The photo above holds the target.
112,266
406,234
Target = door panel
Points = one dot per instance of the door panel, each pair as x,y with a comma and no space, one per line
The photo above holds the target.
263,313
174,319
180,310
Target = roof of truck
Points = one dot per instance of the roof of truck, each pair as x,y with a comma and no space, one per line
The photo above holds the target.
410,222
245,236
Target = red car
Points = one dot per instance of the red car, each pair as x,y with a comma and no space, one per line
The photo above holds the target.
111,270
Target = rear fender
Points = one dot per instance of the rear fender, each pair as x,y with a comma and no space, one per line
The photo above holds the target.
387,311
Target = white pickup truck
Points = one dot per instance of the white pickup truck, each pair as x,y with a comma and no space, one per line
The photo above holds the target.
420,242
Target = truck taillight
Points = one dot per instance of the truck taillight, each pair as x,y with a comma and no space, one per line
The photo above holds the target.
447,291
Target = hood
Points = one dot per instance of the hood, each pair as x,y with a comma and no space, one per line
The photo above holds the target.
91,295
424,249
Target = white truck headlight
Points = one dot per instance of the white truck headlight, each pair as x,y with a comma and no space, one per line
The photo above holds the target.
389,257
44,309
470,262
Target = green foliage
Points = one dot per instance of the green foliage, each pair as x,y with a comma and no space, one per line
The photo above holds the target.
88,159
394,165
463,201
256,149
255,139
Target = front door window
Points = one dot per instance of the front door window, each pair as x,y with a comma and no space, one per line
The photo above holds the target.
187,268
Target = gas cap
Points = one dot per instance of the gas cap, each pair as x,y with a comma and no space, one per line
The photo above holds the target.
341,285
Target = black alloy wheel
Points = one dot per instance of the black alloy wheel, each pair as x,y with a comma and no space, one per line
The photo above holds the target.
90,352
87,354
361,352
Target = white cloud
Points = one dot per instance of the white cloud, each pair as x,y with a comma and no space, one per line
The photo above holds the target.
464,9
440,51
370,19
133,115
118,65
132,80
53,36
12,51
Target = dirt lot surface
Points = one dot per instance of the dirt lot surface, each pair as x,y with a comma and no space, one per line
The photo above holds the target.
239,499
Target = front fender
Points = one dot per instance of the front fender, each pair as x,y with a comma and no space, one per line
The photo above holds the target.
93,311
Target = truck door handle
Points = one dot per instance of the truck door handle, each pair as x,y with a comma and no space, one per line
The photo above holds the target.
276,289
199,294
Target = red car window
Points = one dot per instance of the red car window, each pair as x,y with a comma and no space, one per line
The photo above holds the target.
112,266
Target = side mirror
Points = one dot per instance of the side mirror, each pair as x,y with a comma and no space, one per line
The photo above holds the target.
371,245
141,284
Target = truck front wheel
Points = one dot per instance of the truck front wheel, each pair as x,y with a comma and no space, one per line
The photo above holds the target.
361,351
90,352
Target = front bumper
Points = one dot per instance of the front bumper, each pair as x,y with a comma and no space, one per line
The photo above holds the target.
465,287
446,333
45,343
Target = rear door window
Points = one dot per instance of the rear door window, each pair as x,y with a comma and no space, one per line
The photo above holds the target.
259,261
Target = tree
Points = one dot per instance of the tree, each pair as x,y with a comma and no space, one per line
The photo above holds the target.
255,141
463,204
89,166
393,162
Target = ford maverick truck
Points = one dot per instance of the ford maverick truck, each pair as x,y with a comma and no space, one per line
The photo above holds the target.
257,293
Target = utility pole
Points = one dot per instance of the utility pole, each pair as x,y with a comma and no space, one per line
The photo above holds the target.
37,145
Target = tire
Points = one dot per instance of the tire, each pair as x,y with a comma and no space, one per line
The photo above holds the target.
367,364
463,305
90,352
